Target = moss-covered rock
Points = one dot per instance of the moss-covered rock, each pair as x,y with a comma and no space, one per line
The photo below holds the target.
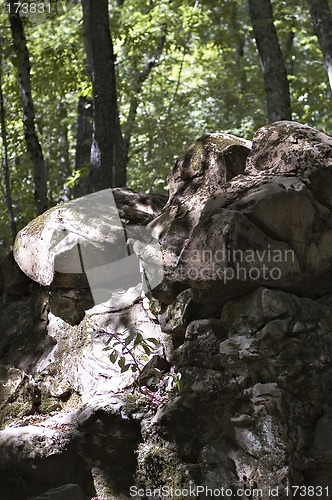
295,149
19,394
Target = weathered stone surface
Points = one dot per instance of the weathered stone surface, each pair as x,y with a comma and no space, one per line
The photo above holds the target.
254,353
289,148
19,394
21,343
254,384
276,236
72,491
173,318
82,249
93,447
267,227
50,241
13,282
38,456
137,208
78,356
69,375
70,304
199,174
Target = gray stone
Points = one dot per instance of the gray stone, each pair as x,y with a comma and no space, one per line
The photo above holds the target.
254,356
270,225
83,233
200,173
253,385
19,394
69,491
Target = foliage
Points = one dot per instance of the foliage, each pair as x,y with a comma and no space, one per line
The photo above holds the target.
130,350
170,382
122,347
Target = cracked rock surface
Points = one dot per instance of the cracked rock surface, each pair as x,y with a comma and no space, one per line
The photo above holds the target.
244,315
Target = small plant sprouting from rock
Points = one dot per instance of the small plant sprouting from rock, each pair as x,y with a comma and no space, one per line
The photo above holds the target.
165,382
131,351
125,345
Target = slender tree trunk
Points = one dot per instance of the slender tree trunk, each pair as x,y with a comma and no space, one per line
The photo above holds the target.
108,163
321,16
288,51
31,138
84,132
5,162
63,141
275,76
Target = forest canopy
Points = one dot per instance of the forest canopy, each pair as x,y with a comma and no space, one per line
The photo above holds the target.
181,69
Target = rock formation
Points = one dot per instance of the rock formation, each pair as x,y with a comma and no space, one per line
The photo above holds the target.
243,314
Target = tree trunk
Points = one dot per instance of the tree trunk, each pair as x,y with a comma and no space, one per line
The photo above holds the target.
84,132
64,155
30,134
322,20
108,165
5,162
275,75
288,51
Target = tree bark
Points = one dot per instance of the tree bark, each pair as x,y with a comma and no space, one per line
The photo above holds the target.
321,17
5,162
108,163
273,65
84,132
30,134
288,51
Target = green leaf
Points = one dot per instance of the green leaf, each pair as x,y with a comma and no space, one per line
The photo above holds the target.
152,381
130,338
138,339
146,348
122,362
153,341
113,356
125,368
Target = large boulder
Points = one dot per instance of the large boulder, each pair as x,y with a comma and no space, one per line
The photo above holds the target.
80,453
66,409
295,149
202,172
83,249
72,491
83,233
245,406
256,383
271,225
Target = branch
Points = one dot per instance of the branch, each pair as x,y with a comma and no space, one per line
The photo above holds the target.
141,76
